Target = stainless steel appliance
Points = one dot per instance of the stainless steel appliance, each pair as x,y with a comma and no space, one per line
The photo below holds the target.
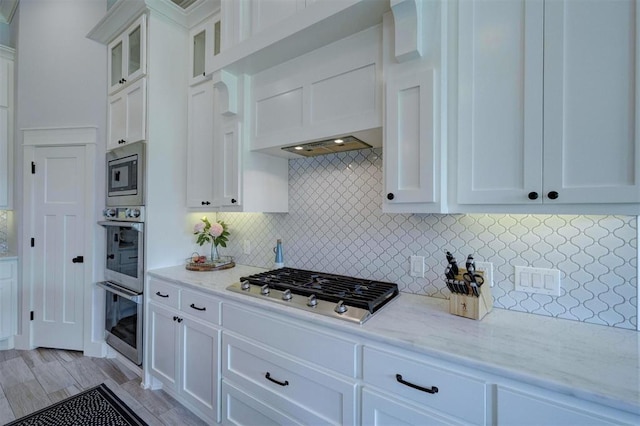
337,296
124,263
125,175
123,320
124,274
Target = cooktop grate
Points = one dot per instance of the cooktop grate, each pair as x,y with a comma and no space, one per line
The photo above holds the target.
366,294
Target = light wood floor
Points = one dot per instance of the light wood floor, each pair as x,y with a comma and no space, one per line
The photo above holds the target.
31,380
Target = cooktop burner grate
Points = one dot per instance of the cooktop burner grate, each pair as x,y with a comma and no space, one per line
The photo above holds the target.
362,293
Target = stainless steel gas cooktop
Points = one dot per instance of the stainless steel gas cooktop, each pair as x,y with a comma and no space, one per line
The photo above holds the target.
337,296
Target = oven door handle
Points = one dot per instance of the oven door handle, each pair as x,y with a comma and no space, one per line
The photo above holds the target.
133,225
122,292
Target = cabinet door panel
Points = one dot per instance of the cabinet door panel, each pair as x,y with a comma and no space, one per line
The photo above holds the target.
410,139
117,120
499,155
136,111
8,300
227,179
200,167
164,339
591,135
200,366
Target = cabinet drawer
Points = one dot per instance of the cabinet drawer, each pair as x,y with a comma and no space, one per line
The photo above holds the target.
200,305
164,293
318,348
288,385
457,395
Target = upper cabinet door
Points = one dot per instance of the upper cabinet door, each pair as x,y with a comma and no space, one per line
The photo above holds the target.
499,158
128,56
591,93
204,45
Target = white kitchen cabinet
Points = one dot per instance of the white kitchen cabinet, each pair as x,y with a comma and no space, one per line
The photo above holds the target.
222,174
127,59
414,181
200,151
379,409
432,385
265,357
292,387
8,302
205,40
241,408
184,347
127,115
547,110
523,405
6,127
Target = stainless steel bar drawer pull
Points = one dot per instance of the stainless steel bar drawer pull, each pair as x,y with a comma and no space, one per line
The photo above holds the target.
161,295
433,389
193,305
268,377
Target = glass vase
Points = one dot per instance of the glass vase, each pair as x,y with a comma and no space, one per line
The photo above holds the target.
215,256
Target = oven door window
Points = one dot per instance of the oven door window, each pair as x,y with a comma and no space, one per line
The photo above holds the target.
123,250
121,319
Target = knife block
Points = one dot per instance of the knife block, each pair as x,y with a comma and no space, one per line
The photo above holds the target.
471,306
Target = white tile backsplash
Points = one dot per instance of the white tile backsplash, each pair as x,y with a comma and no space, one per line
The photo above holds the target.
4,231
336,225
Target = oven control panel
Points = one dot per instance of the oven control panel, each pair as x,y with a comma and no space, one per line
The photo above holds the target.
127,214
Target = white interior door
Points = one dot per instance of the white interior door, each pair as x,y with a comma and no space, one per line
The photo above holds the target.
58,212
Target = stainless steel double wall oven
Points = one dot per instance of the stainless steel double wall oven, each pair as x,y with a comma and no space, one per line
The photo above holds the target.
124,243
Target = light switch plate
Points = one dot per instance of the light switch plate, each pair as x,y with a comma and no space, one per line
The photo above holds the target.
417,266
246,247
538,280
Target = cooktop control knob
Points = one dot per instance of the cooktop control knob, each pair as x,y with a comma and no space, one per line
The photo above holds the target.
244,285
265,290
133,213
109,212
312,301
341,308
286,295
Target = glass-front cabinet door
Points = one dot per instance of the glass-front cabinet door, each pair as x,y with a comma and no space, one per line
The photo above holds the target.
204,45
127,56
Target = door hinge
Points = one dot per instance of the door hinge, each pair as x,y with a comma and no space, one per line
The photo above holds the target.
31,316
33,167
33,242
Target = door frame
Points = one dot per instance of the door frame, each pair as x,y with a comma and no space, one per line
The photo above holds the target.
60,137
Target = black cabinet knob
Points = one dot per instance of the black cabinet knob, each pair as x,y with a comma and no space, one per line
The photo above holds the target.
552,195
233,201
533,195
124,80
390,196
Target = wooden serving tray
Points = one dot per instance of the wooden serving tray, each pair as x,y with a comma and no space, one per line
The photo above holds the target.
205,267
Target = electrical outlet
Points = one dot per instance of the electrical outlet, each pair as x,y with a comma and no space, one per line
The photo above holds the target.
538,280
487,269
246,247
417,266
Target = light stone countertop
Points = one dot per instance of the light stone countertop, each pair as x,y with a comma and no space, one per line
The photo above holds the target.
8,256
592,362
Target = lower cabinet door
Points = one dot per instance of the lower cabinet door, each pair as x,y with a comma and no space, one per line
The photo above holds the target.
240,408
381,410
199,365
164,340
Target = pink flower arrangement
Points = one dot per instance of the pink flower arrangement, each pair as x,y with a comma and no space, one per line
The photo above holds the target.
208,232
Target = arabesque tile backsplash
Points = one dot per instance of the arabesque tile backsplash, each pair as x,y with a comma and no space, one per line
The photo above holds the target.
336,225
4,225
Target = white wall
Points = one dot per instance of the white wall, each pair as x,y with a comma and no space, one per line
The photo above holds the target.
61,82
